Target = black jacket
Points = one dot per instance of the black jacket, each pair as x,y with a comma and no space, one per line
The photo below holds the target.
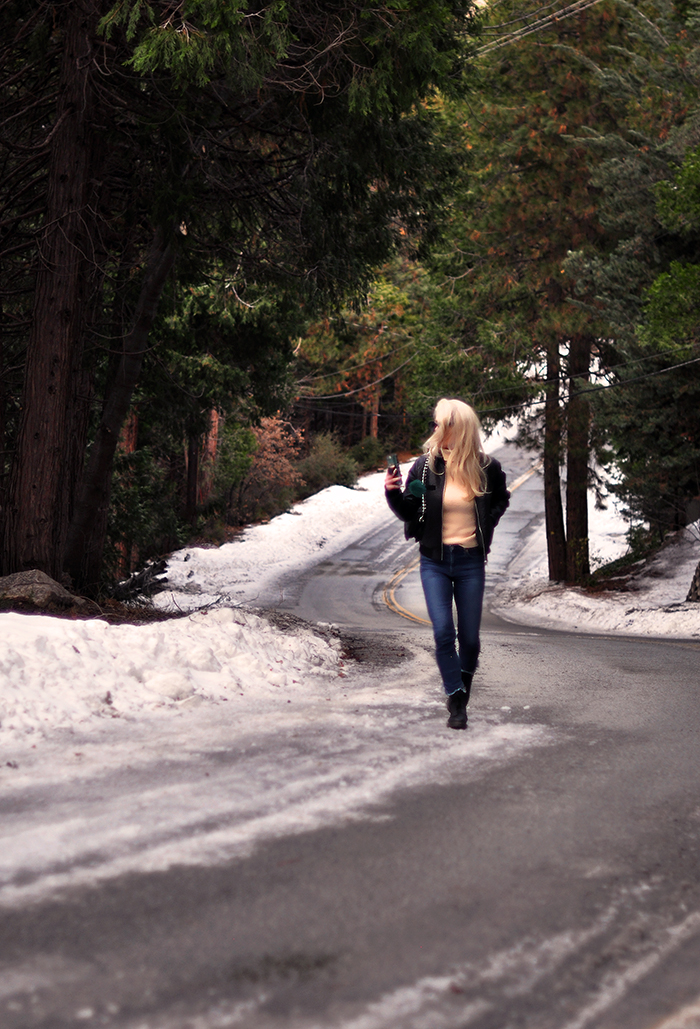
489,507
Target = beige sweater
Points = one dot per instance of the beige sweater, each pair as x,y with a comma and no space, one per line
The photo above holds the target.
458,515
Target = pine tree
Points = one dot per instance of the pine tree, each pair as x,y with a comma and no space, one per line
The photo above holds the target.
285,146
528,200
647,414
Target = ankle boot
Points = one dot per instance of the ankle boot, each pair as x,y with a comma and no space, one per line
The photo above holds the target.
467,683
457,706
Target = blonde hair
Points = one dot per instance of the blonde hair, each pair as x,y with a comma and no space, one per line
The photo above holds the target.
466,460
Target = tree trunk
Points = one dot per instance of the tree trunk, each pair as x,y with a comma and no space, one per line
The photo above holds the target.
208,464
374,424
553,510
40,488
89,525
192,479
577,447
694,591
3,453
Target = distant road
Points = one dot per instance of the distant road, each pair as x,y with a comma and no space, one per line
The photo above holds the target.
367,585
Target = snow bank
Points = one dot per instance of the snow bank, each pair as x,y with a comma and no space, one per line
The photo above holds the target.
248,569
652,605
62,674
57,674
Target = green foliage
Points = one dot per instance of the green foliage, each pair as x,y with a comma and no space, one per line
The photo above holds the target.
272,481
678,199
215,353
326,464
673,306
369,454
648,286
652,422
368,352
378,56
235,455
286,149
143,520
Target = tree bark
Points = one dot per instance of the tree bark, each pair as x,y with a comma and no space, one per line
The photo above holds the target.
577,447
553,510
3,401
694,591
374,424
205,484
40,489
192,479
89,525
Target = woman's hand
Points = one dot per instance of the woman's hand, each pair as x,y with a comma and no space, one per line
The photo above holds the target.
392,479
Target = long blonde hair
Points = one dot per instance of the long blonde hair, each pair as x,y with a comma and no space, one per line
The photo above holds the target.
466,461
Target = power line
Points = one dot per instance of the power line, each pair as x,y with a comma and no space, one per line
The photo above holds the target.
513,37
591,389
356,367
360,389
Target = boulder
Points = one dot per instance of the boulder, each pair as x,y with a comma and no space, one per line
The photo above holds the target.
36,589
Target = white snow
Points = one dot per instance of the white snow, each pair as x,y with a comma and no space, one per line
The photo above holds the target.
654,603
247,570
61,674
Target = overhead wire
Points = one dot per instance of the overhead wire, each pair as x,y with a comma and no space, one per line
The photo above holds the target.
513,37
591,389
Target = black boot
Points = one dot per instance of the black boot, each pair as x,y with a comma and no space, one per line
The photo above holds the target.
457,706
467,683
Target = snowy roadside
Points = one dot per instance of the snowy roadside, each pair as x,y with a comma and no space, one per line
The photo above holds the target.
652,604
247,570
191,741
77,676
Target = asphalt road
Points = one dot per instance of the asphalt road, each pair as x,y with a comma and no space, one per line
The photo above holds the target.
557,889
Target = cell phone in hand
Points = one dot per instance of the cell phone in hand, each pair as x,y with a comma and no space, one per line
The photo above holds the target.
393,463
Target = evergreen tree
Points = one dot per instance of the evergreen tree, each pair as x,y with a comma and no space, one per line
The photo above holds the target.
528,199
366,354
645,288
284,145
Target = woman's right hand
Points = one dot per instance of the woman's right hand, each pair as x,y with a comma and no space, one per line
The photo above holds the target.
392,479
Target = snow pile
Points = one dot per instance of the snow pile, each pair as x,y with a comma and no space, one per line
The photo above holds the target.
652,604
248,569
57,674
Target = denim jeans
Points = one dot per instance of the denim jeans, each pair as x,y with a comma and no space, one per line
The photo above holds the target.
459,576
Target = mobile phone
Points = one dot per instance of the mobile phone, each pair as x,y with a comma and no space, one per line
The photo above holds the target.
393,462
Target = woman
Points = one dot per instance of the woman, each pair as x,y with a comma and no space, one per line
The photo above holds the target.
454,498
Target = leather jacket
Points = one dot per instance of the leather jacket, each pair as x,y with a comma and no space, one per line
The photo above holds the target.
489,507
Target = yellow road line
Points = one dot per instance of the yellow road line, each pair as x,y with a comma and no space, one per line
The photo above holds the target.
389,591
389,597
526,475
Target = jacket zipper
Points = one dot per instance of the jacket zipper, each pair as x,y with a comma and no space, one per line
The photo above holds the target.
481,534
442,523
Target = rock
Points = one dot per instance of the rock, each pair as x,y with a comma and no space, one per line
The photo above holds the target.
37,589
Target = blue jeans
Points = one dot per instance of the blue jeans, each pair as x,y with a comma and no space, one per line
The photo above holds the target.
460,575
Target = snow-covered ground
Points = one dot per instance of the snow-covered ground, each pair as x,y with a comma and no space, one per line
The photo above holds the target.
654,603
58,674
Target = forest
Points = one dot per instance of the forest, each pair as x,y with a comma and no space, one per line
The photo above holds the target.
245,247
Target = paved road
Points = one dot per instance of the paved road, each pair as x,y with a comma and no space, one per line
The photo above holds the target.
350,588
553,886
